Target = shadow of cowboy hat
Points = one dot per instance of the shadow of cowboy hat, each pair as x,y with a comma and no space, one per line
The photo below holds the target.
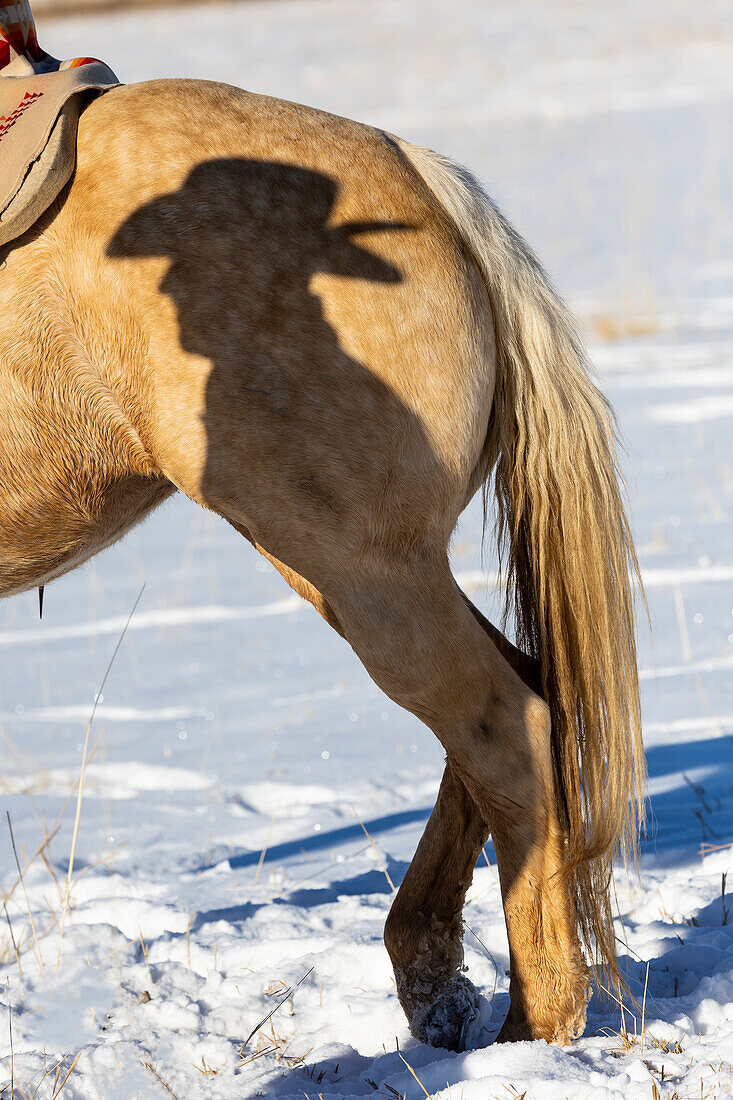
284,209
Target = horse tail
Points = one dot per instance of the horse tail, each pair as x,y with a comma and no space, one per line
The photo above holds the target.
565,541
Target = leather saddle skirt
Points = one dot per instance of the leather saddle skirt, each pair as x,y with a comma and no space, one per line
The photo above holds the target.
40,101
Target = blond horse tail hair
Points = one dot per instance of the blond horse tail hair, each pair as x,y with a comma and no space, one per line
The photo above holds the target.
566,543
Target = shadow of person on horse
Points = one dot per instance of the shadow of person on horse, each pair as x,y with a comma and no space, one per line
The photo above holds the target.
248,246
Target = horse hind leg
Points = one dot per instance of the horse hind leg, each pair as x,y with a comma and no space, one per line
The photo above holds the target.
421,643
424,930
423,934
302,587
425,923
433,652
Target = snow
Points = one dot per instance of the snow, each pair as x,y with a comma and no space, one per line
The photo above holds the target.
240,752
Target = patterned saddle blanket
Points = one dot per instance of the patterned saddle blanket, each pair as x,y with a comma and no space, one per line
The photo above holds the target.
40,101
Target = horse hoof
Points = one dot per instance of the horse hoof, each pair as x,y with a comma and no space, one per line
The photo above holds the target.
446,1022
559,1030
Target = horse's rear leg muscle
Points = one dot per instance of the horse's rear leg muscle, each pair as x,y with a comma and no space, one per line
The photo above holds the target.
526,667
422,644
299,584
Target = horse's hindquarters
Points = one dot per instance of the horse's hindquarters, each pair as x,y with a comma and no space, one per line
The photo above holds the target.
287,330
267,307
318,353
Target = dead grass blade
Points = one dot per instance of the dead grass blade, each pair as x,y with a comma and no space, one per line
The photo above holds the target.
266,845
493,960
12,1052
68,1075
643,1009
376,852
422,1086
156,1075
12,937
280,1003
80,792
25,892
28,863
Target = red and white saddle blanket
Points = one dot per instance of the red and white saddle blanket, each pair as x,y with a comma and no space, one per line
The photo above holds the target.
40,100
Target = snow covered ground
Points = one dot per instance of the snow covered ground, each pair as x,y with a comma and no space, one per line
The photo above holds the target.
240,751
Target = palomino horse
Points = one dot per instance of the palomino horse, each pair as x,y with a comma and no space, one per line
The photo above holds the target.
332,338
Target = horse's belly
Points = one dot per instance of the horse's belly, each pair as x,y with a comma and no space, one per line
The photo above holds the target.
49,535
74,475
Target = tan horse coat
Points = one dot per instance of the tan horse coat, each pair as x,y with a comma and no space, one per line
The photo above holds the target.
329,338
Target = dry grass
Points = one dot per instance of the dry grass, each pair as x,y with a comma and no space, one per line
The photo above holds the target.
641,1038
422,1086
12,947
265,846
609,328
84,763
54,1071
273,1043
15,946
381,862
161,1080
25,895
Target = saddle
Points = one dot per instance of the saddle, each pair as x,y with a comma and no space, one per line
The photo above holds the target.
40,102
